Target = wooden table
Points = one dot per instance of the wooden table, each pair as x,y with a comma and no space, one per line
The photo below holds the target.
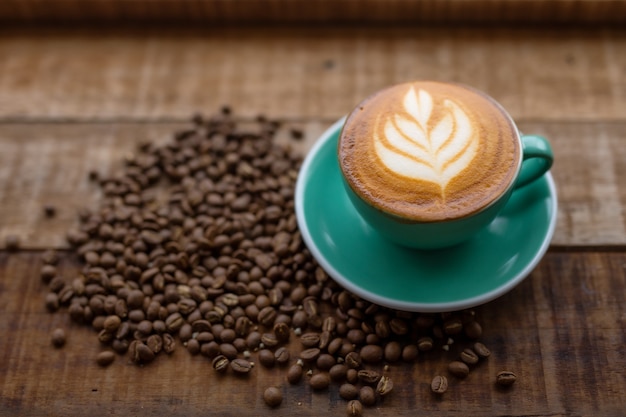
75,100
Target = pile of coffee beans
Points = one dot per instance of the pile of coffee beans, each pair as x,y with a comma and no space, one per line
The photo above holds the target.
195,244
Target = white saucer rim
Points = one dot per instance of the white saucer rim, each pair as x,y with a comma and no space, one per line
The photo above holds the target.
404,305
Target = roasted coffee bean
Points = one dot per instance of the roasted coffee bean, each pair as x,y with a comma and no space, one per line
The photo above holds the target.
310,355
253,340
348,391
228,350
173,322
299,319
193,346
329,324
439,384
269,340
473,329
52,301
294,374
481,350
120,345
458,369
392,351
368,376
398,326
310,340
325,338
105,358
220,363
105,337
48,272
267,315
371,353
356,336
320,381
210,349
140,353
112,323
425,344
282,332
169,345
273,396
338,372
58,337
469,357
354,408
506,378
241,366
227,335
367,396
282,355
384,386
155,343
453,326
266,358
410,353
352,376
325,361
334,345
353,360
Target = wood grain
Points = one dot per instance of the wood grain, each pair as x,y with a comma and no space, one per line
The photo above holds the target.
561,331
314,11
49,164
304,74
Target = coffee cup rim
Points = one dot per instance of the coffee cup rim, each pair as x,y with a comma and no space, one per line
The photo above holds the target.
493,202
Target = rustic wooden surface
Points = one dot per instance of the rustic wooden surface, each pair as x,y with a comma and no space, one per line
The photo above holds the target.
74,101
314,11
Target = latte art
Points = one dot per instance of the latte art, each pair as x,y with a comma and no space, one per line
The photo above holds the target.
417,147
429,151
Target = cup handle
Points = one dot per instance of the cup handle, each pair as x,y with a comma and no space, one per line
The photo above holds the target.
536,161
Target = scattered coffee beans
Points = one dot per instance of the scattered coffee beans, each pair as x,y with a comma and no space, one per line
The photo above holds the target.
481,350
105,358
294,374
384,386
320,381
506,378
355,408
458,369
58,337
469,357
439,384
348,391
273,396
241,366
367,396
217,263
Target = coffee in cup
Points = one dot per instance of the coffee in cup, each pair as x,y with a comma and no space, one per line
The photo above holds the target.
441,157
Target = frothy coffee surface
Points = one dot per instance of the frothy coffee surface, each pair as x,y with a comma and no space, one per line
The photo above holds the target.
429,151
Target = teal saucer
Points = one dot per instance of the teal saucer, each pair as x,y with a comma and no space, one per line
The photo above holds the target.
359,259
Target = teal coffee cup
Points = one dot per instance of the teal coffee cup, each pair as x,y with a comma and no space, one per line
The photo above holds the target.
429,164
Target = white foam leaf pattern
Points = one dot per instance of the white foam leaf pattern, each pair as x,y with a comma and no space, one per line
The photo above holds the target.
424,149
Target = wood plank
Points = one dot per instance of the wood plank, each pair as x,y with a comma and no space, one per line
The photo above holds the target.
49,164
314,11
304,74
561,331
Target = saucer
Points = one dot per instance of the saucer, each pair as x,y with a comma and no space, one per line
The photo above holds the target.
490,264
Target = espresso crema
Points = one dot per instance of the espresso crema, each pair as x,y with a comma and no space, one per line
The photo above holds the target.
429,151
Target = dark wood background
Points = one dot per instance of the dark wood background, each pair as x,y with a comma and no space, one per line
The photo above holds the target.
75,99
